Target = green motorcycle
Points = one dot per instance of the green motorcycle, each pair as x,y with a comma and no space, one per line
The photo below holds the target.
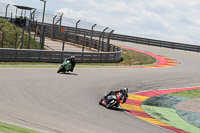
66,66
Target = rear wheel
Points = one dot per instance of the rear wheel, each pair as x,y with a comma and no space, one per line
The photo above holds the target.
117,105
107,106
110,104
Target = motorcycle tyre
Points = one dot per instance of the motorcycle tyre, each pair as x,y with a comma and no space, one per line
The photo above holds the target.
117,105
61,69
108,106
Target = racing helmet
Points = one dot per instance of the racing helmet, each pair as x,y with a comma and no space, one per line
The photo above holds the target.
72,57
125,90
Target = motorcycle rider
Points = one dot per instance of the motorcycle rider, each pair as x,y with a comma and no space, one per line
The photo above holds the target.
72,59
124,92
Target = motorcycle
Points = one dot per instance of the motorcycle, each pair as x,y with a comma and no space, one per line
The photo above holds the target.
112,101
66,66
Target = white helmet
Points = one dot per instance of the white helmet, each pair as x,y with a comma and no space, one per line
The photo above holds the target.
126,90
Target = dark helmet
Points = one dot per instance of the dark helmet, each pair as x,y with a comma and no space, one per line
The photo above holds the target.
72,57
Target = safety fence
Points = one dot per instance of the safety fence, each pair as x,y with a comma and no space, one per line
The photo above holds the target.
32,15
84,28
113,53
99,36
93,36
86,39
153,42
23,55
59,27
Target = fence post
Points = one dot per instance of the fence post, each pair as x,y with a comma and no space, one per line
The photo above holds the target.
16,13
108,40
83,43
16,41
102,46
103,38
29,34
43,37
22,39
76,32
36,30
99,42
52,30
32,15
113,48
6,11
92,35
64,36
2,40
95,44
60,20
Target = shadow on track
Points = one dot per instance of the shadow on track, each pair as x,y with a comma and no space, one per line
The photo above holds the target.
69,74
117,109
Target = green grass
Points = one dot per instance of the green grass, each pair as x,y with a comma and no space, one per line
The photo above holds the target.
130,57
8,128
195,93
10,31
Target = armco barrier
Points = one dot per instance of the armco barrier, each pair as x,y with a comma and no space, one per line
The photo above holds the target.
57,56
153,42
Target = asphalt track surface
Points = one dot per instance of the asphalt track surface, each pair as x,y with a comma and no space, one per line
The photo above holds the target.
43,100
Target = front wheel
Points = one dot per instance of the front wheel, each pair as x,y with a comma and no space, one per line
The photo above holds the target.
61,69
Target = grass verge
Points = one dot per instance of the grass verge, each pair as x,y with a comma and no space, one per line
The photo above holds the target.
12,35
8,128
195,93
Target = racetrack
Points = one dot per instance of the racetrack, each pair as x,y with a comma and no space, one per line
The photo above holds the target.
46,101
